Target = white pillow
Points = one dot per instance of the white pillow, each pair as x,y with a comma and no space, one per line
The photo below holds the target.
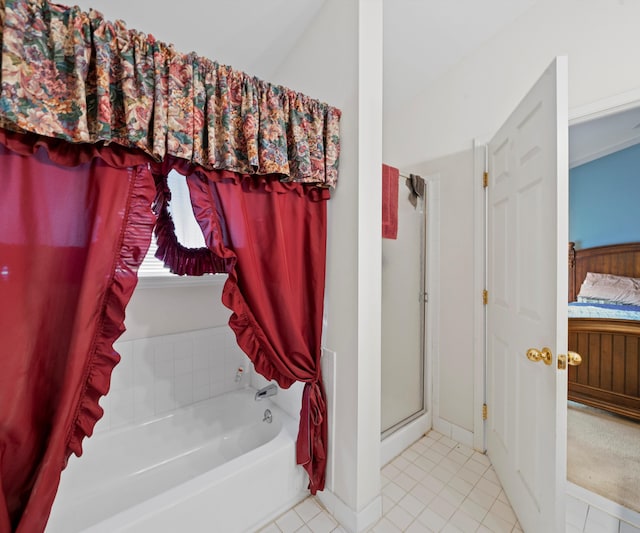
616,289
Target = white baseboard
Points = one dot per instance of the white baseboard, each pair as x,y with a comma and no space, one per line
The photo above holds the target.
600,502
461,435
352,521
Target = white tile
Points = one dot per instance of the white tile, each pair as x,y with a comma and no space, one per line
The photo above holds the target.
490,474
390,471
201,393
307,509
449,443
576,512
415,472
387,504
464,450
183,365
385,526
410,455
452,496
481,458
600,522
442,474
393,491
442,507
412,505
431,519
464,522
289,522
405,481
183,390
450,465
462,486
400,517
425,464
121,408
418,527
504,511
422,494
573,529
143,403
469,476
489,487
400,463
432,483
476,466
162,350
474,510
457,457
440,448
483,499
497,524
450,528
323,522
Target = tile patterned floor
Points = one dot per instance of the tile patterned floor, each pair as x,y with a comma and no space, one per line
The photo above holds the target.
439,485
436,485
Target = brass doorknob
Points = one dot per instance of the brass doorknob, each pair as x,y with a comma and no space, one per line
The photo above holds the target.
543,355
572,358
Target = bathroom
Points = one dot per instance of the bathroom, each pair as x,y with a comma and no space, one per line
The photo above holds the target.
353,295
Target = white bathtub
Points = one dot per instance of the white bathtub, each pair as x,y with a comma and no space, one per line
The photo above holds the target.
212,466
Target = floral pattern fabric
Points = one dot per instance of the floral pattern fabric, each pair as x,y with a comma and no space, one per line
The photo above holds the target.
72,75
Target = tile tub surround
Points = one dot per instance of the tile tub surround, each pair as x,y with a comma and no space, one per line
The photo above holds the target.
158,374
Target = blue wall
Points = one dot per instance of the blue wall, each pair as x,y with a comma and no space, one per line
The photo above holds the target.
604,200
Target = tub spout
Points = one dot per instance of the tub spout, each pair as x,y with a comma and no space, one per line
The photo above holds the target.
265,392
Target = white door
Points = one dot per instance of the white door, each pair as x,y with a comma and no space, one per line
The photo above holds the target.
527,233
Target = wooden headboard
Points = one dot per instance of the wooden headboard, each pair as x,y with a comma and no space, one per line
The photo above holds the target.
618,259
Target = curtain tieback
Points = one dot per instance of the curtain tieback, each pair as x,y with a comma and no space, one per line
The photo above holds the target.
311,445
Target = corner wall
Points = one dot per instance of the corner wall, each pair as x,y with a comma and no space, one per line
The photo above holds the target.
339,60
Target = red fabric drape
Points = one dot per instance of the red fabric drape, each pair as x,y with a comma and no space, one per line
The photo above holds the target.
71,240
273,241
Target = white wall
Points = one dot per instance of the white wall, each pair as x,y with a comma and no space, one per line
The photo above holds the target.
339,60
600,38
453,384
602,42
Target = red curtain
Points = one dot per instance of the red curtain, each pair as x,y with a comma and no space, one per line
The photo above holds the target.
271,239
71,240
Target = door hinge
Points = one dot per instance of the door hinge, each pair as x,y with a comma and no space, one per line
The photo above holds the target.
485,179
485,297
485,411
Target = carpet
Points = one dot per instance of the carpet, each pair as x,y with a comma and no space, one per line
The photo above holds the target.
603,454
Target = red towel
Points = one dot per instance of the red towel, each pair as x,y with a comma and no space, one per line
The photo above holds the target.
390,177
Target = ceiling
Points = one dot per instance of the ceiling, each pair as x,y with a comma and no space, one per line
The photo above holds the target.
422,40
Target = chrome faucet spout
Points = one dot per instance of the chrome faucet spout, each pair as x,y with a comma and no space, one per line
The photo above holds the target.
265,392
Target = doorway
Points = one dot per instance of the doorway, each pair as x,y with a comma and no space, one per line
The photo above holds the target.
601,150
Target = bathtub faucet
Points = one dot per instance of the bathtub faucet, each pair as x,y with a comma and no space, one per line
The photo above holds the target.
265,392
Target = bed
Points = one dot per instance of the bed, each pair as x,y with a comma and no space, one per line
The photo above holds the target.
609,376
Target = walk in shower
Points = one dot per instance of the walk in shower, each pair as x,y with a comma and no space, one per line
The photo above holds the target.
403,315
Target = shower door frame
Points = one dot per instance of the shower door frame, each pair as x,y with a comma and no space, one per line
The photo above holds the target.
425,297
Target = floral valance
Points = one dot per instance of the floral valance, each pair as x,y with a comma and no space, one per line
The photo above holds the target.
74,76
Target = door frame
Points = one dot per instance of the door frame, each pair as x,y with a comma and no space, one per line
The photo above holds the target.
577,115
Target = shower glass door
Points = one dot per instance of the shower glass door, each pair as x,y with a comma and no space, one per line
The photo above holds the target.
403,313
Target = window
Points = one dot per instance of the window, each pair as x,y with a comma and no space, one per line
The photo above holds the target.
152,271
